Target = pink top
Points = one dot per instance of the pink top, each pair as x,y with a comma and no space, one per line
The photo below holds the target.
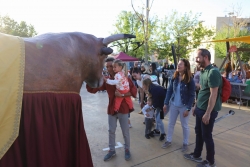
120,81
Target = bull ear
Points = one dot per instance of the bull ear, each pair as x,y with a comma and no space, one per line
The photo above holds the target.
106,51
116,37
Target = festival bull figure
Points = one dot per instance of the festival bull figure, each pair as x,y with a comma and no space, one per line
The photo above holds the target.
61,62
41,120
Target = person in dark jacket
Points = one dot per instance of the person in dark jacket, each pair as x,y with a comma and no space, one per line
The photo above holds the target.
158,94
180,97
171,66
164,72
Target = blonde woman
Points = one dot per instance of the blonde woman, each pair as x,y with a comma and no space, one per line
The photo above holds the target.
158,94
145,69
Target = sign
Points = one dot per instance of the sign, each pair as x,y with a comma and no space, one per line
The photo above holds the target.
233,49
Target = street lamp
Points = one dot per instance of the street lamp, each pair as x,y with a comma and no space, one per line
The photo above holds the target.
229,14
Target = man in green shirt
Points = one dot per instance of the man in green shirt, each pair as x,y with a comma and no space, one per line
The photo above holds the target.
206,110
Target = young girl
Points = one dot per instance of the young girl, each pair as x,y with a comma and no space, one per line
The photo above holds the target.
122,84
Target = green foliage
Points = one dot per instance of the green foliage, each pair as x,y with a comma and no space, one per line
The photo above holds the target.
220,47
184,31
10,26
129,23
187,32
162,44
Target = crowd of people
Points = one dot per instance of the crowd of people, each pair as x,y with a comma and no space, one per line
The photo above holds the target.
180,95
235,74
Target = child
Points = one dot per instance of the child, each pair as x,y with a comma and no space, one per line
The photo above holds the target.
148,112
122,84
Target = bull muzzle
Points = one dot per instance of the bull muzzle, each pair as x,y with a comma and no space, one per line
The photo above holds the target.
106,51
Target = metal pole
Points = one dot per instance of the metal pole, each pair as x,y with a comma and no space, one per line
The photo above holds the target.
229,14
225,59
174,56
228,47
228,27
146,32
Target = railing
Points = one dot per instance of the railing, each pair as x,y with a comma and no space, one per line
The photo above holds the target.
238,92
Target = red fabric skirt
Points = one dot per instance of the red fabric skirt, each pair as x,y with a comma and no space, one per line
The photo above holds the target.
51,133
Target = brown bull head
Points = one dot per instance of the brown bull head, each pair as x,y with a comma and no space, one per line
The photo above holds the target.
95,79
65,60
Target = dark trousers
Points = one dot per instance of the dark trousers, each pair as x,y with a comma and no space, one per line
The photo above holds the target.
204,134
149,125
196,94
165,81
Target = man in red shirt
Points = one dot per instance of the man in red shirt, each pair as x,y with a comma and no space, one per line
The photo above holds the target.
122,114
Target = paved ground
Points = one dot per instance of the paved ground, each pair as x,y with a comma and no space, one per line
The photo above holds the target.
231,137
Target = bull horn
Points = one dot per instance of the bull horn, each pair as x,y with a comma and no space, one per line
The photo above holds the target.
116,37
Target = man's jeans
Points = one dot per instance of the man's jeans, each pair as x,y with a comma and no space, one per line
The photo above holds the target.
112,120
204,134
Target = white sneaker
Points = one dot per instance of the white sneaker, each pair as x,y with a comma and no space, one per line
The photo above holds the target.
129,125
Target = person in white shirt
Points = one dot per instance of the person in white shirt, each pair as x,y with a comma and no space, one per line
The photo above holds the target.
122,84
148,112
139,77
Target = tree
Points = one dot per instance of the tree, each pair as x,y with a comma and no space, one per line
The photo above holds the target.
129,23
186,32
162,42
144,19
238,29
220,47
10,26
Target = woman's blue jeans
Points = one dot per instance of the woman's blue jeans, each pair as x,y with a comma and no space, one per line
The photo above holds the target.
159,123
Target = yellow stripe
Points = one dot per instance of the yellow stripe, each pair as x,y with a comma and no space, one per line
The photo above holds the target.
12,62
245,39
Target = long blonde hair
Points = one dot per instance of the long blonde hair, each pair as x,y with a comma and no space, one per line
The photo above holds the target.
147,70
123,65
147,82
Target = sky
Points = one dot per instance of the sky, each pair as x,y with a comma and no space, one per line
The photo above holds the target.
98,17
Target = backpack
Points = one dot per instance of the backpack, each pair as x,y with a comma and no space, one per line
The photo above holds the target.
225,89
